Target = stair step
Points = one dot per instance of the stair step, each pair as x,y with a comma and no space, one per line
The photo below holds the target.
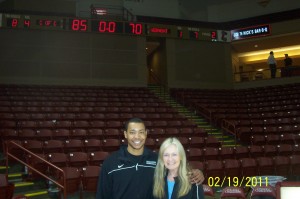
3,169
23,184
13,175
36,193
200,121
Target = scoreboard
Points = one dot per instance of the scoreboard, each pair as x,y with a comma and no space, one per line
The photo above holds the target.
99,26
102,26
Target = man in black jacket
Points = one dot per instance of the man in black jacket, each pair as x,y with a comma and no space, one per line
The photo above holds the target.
128,173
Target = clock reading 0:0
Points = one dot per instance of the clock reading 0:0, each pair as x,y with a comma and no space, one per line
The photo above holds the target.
107,26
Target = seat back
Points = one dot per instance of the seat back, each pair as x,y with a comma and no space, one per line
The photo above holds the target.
263,191
237,192
90,176
208,191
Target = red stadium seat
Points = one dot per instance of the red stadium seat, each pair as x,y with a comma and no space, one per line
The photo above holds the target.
211,153
232,168
236,192
263,191
249,167
92,145
78,159
265,166
52,146
195,154
282,165
73,145
97,157
90,176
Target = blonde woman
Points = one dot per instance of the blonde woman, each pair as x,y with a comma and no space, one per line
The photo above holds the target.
171,180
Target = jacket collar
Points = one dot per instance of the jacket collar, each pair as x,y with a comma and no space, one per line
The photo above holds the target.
123,153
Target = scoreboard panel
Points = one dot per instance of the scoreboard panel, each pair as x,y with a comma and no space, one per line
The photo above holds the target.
99,26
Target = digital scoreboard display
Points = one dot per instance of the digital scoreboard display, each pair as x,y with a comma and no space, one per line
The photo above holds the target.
250,32
98,26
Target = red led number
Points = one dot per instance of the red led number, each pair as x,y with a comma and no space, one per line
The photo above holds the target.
79,24
196,35
213,35
14,23
27,23
180,34
105,26
136,29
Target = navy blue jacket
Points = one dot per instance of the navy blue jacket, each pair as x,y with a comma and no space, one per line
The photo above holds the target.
122,178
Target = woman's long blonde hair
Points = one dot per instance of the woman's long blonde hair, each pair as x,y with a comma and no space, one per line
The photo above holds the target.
161,171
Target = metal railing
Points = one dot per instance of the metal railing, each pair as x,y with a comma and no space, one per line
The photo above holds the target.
13,145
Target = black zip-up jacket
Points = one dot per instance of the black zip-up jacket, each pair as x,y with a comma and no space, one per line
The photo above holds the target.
196,191
124,176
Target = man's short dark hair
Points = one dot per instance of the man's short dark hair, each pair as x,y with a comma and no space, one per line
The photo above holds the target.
133,120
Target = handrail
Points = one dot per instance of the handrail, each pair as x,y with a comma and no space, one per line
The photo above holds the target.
8,154
251,75
158,81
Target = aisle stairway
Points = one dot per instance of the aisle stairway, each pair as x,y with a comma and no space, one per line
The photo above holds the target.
23,186
226,140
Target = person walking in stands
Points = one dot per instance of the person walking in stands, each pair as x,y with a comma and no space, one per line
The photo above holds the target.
128,173
272,64
171,174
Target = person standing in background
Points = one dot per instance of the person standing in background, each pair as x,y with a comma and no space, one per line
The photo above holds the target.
288,63
272,64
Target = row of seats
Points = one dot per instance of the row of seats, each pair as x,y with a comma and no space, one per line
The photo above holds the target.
109,145
140,102
100,107
245,133
286,138
287,166
258,92
266,103
167,115
238,152
213,114
68,98
200,151
238,120
260,166
98,133
81,180
229,191
93,123
73,159
85,180
80,90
